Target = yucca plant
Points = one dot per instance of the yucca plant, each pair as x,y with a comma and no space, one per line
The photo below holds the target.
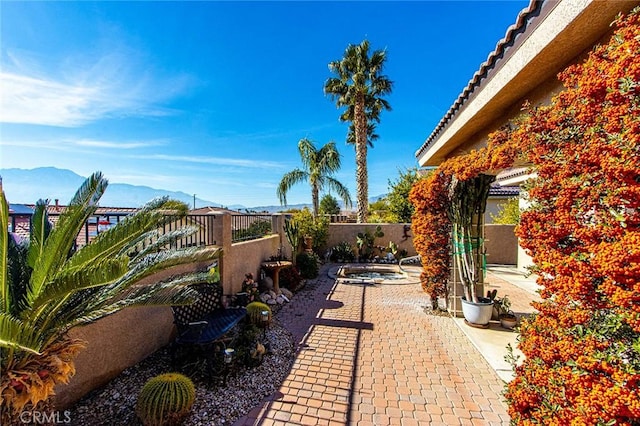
47,286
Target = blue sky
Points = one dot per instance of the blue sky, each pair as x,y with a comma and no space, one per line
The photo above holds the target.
211,98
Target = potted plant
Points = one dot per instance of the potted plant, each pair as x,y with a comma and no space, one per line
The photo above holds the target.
507,317
468,200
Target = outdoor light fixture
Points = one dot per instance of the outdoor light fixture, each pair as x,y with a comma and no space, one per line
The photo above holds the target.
228,355
265,322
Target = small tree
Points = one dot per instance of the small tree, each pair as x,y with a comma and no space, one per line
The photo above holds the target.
400,207
318,167
329,205
508,212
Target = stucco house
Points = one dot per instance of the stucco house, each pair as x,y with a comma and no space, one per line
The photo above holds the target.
547,36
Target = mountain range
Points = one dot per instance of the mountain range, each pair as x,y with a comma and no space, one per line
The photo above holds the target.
25,186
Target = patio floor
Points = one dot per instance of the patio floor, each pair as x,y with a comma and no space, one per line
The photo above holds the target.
370,355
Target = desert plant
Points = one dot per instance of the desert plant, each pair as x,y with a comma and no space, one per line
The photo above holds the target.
165,400
59,288
308,263
254,312
503,305
342,252
468,201
292,231
365,242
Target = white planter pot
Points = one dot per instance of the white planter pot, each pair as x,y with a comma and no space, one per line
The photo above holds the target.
477,313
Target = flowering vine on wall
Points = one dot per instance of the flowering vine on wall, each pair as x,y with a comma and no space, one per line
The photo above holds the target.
582,230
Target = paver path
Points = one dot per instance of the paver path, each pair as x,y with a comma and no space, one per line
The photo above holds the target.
369,355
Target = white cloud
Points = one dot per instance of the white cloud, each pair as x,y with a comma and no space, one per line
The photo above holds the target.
220,161
83,145
119,144
82,91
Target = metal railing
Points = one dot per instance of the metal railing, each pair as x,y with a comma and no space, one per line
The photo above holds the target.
250,227
99,223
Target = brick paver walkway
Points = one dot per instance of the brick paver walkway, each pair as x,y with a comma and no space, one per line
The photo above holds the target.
369,355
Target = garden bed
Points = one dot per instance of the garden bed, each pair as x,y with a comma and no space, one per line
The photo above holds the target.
215,403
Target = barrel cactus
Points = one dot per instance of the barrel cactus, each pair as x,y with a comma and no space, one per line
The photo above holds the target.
165,400
254,311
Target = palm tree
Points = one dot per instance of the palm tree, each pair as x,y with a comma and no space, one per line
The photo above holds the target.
359,86
319,165
47,286
371,134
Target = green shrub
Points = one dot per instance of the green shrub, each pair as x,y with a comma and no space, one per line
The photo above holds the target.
316,228
342,252
165,400
308,263
290,278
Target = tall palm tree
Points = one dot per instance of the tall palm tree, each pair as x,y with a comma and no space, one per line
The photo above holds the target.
319,165
371,134
359,85
47,286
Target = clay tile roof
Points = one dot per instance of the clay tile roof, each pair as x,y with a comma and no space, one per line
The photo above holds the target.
486,69
503,191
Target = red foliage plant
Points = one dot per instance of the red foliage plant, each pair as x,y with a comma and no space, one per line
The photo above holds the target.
582,229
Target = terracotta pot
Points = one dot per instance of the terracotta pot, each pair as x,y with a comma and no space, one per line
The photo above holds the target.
508,321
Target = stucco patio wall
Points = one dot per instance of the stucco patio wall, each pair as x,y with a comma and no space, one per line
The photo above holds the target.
127,337
501,244
117,342
399,233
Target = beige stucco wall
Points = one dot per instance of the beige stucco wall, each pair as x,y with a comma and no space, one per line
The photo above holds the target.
501,244
246,257
339,232
127,337
119,341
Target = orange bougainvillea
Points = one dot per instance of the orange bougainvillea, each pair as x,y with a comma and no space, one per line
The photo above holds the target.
431,224
582,351
582,229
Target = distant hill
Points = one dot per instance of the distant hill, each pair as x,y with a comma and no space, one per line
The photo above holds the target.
23,186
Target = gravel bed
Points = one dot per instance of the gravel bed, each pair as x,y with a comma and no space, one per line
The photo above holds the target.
215,404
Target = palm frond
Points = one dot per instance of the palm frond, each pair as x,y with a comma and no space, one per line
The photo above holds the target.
172,292
122,235
39,231
156,262
62,237
76,279
156,240
288,180
341,190
18,274
15,334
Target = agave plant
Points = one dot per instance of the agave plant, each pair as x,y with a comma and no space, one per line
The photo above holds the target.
47,286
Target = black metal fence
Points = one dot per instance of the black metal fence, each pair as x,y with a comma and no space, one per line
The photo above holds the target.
249,227
97,224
